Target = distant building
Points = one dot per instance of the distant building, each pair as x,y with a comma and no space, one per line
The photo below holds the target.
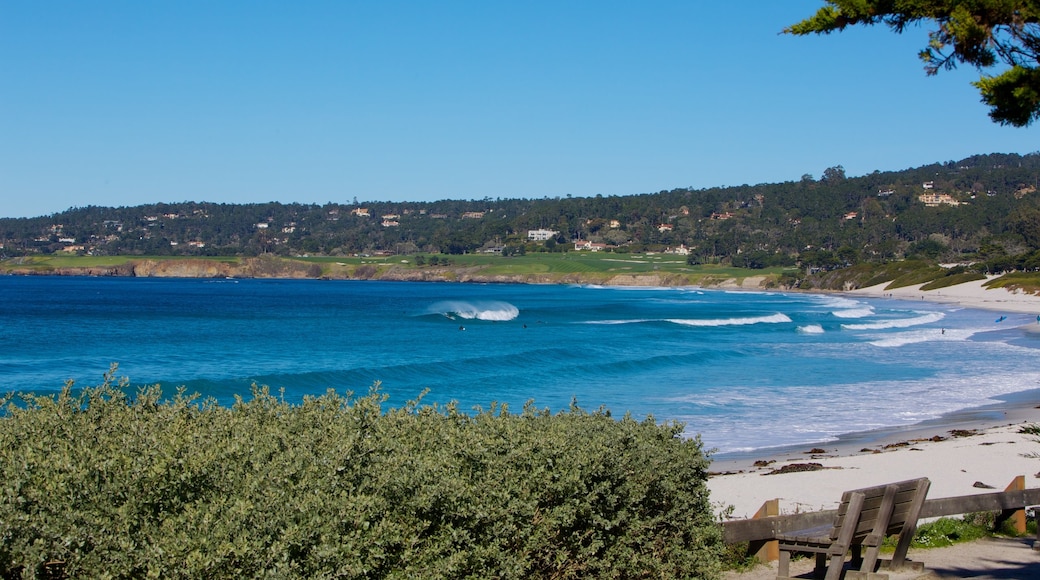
937,199
590,246
473,215
665,228
360,212
928,184
541,235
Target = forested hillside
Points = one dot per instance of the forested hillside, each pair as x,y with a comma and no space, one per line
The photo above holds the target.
980,208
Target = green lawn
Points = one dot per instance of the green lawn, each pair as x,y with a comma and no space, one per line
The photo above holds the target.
594,266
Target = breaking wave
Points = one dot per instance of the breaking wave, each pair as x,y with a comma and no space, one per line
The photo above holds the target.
778,318
489,310
897,322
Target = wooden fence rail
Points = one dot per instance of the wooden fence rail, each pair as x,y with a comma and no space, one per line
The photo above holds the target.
765,529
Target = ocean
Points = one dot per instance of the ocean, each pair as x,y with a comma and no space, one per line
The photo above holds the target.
744,370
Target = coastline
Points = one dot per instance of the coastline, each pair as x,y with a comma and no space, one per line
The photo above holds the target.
975,450
968,294
1012,410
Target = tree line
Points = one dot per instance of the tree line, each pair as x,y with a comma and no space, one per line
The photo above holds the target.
990,207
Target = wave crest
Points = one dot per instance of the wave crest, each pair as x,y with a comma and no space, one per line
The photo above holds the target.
777,318
898,322
855,312
485,310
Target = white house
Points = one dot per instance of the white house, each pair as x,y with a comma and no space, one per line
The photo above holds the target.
541,235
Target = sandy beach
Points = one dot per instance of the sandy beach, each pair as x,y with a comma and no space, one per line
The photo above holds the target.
959,460
992,455
969,295
973,451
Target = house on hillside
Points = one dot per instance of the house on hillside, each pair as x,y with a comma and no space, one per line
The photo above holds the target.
541,235
937,199
589,246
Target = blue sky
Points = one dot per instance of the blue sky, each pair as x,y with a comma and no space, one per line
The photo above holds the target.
121,103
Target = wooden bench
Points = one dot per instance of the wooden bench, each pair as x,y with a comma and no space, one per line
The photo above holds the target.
864,518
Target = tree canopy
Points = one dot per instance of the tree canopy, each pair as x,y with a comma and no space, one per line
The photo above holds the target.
985,34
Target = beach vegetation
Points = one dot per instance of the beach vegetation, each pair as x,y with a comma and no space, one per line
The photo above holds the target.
99,482
948,531
967,528
1028,282
952,279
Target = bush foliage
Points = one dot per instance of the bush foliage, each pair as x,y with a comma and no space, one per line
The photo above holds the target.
102,484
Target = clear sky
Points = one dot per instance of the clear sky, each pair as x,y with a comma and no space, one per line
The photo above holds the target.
121,103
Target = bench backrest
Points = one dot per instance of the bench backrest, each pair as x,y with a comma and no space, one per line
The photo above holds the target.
904,502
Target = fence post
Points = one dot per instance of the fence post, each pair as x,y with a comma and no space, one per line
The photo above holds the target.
1018,516
769,551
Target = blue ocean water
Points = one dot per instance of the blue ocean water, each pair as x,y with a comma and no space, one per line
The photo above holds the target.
745,370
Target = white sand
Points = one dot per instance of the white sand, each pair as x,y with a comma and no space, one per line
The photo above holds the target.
955,465
992,457
969,295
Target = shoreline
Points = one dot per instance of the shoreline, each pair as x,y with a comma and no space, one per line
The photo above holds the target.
968,294
1018,408
978,451
961,452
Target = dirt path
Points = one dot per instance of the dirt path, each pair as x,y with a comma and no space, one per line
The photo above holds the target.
986,559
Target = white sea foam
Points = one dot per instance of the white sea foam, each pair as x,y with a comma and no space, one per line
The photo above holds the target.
838,302
826,413
855,312
897,322
740,321
922,335
777,318
811,329
481,310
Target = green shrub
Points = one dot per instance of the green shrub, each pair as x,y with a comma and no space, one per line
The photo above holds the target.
101,484
948,531
952,280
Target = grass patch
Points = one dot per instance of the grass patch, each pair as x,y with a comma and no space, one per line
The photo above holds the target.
587,267
60,261
1028,282
918,276
947,281
949,531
